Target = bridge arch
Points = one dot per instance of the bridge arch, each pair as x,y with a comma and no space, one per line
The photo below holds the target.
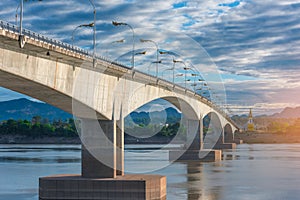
189,123
52,78
228,134
46,94
212,130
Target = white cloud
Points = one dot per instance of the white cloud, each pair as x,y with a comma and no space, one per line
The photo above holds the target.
253,38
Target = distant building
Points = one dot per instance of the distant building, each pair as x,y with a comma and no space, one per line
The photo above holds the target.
250,124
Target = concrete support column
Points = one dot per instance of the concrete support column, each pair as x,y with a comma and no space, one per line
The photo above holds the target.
228,137
102,161
193,150
98,148
225,142
194,134
120,147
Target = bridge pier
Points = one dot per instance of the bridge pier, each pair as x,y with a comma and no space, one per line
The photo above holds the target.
193,150
226,140
102,170
224,144
238,141
220,146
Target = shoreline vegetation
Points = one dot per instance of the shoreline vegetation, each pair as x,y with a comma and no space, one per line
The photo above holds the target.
268,137
41,131
247,137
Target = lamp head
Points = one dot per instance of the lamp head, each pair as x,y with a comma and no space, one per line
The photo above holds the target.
162,52
87,25
159,61
141,53
118,23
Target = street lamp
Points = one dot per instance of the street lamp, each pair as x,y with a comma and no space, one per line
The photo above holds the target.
94,32
194,84
154,62
178,61
118,41
162,75
21,36
173,60
114,42
141,53
125,24
82,25
157,58
185,70
200,88
173,69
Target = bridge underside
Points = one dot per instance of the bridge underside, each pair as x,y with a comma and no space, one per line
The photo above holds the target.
45,94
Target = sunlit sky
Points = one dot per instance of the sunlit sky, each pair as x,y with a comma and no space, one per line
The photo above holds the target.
255,44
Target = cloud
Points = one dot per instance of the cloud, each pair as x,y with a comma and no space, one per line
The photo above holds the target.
244,38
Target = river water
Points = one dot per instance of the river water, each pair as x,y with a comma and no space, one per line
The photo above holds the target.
250,172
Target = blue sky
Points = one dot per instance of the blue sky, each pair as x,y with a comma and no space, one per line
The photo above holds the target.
253,45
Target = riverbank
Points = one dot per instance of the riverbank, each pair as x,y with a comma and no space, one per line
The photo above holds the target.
268,138
249,138
20,139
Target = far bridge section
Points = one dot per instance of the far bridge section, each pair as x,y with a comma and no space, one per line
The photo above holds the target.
100,97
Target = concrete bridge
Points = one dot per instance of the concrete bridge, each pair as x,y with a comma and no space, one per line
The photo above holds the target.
100,97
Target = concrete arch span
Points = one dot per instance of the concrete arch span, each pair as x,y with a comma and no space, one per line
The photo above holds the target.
108,90
228,134
45,93
189,124
212,130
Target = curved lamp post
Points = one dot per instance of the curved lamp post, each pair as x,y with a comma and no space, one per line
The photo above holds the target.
82,25
21,37
153,62
125,24
185,70
157,57
194,84
179,61
94,32
173,60
162,74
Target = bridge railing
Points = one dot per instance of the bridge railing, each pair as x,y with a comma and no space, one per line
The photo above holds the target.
38,37
188,91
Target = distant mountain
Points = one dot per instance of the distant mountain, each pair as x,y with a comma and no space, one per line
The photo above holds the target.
288,113
26,109
169,116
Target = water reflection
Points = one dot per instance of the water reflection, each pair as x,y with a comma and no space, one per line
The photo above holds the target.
196,177
260,172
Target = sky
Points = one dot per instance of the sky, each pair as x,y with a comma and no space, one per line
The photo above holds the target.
247,49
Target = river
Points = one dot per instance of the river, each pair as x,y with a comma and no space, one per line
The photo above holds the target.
260,172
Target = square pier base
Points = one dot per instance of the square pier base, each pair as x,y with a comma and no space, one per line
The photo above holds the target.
205,155
127,187
238,141
225,146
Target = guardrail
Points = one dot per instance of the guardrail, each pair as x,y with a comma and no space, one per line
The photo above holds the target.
35,36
